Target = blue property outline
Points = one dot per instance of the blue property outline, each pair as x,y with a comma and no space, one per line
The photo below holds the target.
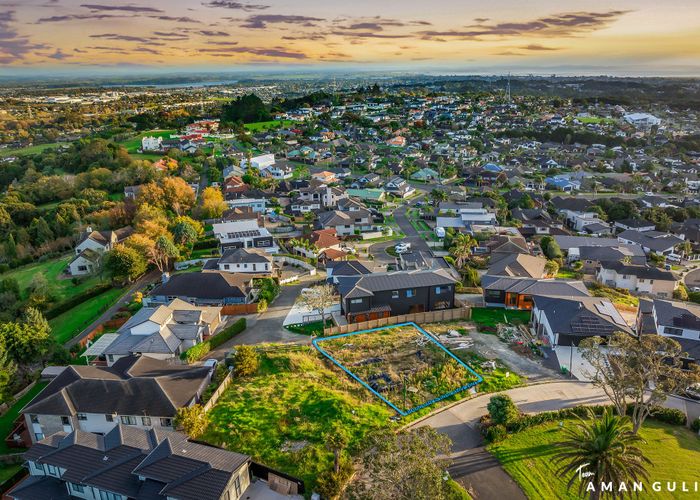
403,413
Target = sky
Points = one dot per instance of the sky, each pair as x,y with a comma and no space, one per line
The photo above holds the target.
524,36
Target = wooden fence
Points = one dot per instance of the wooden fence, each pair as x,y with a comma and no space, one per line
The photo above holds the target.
424,317
219,391
238,309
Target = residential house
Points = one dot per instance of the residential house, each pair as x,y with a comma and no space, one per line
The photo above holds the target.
517,292
139,391
640,225
162,329
651,241
638,279
381,295
464,215
675,319
244,234
517,265
425,174
344,269
260,162
131,192
566,321
245,260
592,256
150,143
323,244
399,187
257,205
215,288
102,241
87,262
367,194
325,177
132,463
346,223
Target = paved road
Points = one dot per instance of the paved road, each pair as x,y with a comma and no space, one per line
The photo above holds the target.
123,300
473,466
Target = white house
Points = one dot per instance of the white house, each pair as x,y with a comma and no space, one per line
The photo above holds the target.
645,280
244,234
642,120
242,260
260,162
257,205
152,143
87,262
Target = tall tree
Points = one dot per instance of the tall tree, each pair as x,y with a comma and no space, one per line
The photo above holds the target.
124,263
163,252
605,447
403,465
318,298
640,372
461,248
212,203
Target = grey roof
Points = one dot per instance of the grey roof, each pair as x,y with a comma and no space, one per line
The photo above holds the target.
634,223
644,272
677,314
347,268
243,256
656,241
173,466
518,264
530,286
580,316
567,242
365,286
573,204
132,386
204,285
609,254
338,217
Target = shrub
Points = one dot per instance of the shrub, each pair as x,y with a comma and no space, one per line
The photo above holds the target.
695,426
502,409
246,361
262,305
200,350
331,484
193,420
668,415
495,433
204,244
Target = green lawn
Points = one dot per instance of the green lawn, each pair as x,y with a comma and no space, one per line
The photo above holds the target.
67,325
52,269
7,419
29,150
8,470
568,274
527,457
492,316
133,144
291,402
260,126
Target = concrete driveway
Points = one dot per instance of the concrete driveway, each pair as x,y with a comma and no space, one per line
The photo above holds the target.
474,467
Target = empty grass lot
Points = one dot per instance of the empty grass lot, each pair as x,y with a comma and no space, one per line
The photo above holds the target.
8,418
52,269
29,150
67,325
527,457
492,316
280,415
261,126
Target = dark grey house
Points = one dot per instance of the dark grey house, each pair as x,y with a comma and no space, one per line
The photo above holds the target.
390,294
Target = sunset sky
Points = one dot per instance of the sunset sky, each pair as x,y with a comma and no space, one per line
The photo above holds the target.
617,37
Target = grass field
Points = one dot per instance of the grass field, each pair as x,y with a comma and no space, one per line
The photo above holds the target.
67,325
29,150
527,457
52,269
492,316
400,363
280,415
260,126
133,144
568,274
8,418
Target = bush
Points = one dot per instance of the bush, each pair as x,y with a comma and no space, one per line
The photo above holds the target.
246,361
204,244
193,420
200,350
668,415
495,433
262,305
502,409
331,484
695,426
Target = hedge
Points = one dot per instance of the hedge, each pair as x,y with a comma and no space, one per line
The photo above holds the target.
76,300
206,243
200,350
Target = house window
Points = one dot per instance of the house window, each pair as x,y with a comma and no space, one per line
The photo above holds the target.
106,495
145,420
52,470
65,420
394,294
38,436
438,290
82,268
226,266
411,292
34,419
166,422
237,486
81,416
673,331
128,420
356,301
78,488
109,418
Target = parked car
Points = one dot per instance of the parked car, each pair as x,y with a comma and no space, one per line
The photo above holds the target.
402,248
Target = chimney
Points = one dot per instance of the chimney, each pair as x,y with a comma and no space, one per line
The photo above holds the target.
166,277
89,229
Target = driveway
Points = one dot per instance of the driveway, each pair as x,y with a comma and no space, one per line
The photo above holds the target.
474,467
267,327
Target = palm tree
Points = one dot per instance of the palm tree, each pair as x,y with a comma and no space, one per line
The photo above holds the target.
607,449
461,248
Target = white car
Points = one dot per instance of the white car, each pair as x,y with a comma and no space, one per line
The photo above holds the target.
402,247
